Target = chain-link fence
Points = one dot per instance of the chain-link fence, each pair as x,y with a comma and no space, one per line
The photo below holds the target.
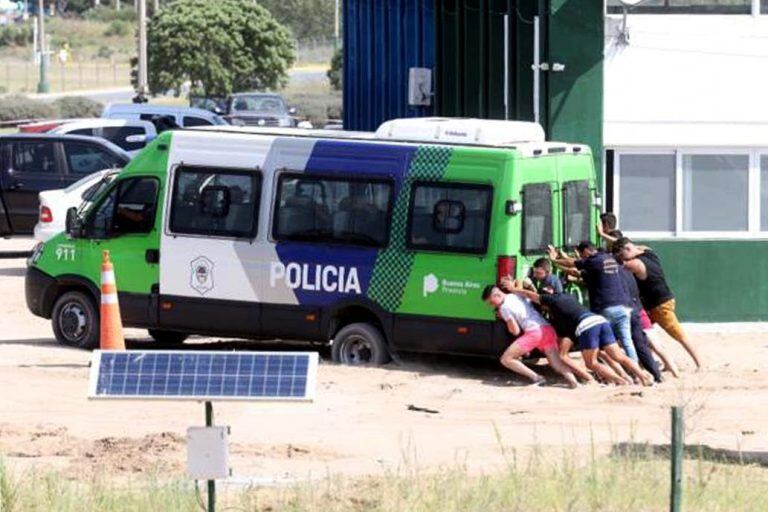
23,76
315,51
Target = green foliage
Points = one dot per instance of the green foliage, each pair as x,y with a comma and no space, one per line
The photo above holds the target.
77,6
118,28
17,107
20,107
220,47
336,71
16,35
77,106
305,18
107,14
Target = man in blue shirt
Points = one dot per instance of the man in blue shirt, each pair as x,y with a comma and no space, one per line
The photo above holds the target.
542,276
607,294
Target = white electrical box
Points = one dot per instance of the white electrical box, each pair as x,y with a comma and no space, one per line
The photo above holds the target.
208,452
420,87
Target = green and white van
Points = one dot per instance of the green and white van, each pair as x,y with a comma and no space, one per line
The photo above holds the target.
377,242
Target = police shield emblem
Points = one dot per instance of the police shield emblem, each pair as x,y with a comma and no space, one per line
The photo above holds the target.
201,278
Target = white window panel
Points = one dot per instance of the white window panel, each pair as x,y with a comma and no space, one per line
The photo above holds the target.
646,192
715,193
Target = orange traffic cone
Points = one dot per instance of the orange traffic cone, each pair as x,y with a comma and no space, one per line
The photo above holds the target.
111,323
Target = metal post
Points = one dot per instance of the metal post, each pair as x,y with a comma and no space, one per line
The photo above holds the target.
506,66
42,86
336,25
676,456
142,76
211,483
536,68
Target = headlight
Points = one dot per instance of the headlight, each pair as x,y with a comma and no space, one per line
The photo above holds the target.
37,252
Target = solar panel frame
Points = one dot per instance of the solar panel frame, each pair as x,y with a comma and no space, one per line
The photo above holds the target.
308,396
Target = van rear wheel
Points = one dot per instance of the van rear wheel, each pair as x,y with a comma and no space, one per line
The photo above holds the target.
170,337
75,320
359,344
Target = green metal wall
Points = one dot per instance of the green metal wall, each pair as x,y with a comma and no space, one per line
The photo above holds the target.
716,281
469,72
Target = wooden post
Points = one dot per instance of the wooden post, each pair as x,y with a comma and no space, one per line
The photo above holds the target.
676,458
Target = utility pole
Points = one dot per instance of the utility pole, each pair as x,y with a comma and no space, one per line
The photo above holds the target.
336,25
142,75
155,7
42,86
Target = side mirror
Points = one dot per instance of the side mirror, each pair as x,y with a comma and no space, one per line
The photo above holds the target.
215,201
217,110
292,111
71,224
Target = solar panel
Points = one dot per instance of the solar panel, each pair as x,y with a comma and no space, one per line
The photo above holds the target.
196,375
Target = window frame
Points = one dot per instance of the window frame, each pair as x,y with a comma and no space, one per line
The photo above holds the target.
258,192
114,186
361,178
552,201
723,10
462,185
753,231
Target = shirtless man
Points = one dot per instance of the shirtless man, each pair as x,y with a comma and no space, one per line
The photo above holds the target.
655,294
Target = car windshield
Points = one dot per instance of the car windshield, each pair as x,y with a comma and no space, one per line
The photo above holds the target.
95,190
259,103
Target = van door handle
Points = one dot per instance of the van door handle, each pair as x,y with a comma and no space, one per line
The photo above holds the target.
152,256
17,185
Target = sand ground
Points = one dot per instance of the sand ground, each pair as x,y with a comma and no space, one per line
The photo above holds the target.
360,422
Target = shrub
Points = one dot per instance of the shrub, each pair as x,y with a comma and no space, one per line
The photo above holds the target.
20,107
77,106
117,28
15,35
336,71
104,52
106,14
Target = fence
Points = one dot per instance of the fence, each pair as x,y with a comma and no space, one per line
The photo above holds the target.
315,51
22,76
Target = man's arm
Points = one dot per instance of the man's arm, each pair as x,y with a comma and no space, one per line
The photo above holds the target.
561,260
512,327
528,294
637,267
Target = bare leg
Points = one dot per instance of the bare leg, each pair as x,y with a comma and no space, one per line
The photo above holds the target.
603,370
560,367
565,347
616,367
615,353
658,349
511,359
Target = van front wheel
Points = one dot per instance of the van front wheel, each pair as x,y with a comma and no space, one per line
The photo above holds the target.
170,337
359,344
75,320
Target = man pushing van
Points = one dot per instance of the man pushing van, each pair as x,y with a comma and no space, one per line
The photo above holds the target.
532,332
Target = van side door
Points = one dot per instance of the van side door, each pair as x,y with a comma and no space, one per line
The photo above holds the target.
29,167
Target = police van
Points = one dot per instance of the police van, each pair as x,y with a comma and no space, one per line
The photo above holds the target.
376,242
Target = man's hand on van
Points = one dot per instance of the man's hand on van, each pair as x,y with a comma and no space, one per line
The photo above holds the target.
552,252
506,283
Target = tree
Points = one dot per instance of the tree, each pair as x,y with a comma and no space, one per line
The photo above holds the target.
220,47
336,72
306,18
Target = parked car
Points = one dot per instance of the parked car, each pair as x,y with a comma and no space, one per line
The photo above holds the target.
46,125
31,163
183,117
251,109
130,134
55,203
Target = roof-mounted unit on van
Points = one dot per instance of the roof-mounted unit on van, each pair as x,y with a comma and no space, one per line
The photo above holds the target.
480,132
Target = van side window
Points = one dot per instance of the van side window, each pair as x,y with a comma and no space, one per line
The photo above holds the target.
537,218
118,135
332,210
576,212
84,158
195,121
449,217
216,202
130,207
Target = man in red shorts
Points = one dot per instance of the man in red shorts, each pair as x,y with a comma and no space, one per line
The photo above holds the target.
532,332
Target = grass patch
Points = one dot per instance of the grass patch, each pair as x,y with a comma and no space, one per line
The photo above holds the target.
627,482
316,101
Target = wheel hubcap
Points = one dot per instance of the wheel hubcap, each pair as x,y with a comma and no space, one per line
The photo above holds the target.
73,321
357,350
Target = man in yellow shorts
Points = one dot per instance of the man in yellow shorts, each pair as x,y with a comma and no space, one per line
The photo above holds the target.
655,294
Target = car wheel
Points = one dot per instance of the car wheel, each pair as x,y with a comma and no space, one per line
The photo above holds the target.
75,320
359,344
170,337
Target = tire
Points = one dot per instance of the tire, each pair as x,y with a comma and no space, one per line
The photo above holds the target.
359,344
75,320
170,337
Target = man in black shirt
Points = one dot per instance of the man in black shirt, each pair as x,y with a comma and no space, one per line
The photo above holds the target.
607,294
591,332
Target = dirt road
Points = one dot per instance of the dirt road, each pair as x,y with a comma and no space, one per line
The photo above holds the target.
360,422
